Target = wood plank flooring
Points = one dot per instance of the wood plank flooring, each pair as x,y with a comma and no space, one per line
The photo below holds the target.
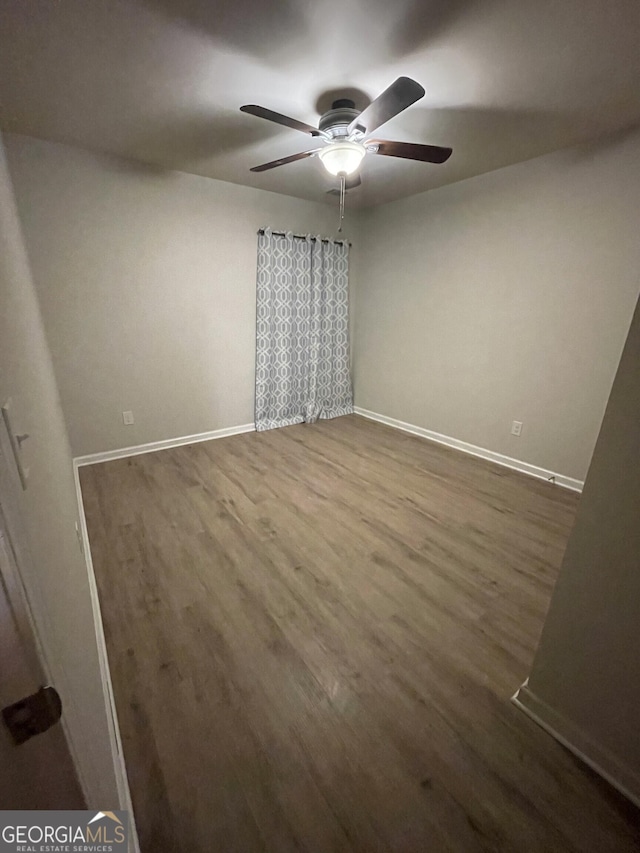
314,633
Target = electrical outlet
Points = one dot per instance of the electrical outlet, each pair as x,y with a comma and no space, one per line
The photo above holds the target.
516,428
127,418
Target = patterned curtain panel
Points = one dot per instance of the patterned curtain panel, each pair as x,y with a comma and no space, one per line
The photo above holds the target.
302,330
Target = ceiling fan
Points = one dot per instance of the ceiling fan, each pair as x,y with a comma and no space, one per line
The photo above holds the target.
345,132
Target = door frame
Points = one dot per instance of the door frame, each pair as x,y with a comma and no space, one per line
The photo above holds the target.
20,561
17,563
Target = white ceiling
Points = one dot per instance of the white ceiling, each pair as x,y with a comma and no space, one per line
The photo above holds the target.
161,81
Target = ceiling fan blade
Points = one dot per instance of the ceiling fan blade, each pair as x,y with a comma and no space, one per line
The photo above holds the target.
278,118
284,160
392,101
410,150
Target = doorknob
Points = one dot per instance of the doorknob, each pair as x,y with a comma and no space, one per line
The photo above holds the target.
33,715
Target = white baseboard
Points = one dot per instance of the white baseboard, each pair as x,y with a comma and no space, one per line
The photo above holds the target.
120,770
579,743
474,450
165,444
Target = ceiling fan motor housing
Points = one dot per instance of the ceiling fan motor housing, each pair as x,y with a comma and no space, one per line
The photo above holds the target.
336,121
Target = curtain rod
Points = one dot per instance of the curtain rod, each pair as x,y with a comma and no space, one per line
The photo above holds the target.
304,237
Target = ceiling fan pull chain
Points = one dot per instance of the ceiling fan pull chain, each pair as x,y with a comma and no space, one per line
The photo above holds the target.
343,181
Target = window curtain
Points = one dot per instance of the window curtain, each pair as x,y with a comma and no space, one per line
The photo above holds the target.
302,330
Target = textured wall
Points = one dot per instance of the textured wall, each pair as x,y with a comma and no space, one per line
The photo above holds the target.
147,285
504,297
587,668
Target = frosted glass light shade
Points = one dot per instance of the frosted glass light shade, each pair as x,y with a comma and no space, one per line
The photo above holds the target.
342,158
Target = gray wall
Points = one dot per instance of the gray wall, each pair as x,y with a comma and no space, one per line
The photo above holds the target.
58,588
504,297
147,285
587,667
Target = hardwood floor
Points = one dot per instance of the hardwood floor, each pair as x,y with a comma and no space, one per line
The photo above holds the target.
314,633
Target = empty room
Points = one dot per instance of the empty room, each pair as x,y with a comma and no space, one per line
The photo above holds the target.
320,443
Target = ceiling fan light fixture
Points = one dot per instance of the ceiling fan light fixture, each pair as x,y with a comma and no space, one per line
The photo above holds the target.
342,158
